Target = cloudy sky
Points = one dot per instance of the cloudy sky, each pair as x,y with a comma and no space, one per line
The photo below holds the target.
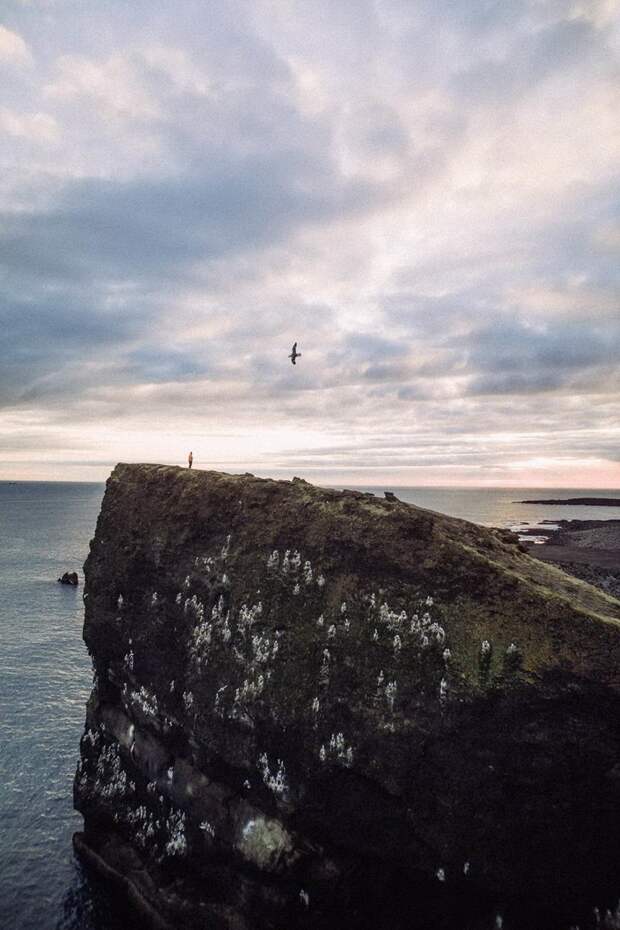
424,193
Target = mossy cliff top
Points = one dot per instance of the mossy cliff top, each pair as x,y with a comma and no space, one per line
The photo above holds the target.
298,683
172,530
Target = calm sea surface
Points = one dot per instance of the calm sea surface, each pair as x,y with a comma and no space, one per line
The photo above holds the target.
45,678
500,507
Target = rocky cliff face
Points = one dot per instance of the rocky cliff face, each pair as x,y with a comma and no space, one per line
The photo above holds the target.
322,709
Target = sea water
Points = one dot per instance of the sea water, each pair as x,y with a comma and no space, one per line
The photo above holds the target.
45,680
501,506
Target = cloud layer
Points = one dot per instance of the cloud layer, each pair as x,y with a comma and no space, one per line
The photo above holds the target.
424,195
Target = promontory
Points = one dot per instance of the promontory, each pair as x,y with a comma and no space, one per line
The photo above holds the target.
316,708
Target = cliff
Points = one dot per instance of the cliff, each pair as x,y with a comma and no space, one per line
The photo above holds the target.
315,708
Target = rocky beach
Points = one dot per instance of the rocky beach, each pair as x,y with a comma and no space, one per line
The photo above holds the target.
588,549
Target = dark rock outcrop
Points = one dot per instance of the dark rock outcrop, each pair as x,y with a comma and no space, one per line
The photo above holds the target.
578,501
589,549
315,708
70,578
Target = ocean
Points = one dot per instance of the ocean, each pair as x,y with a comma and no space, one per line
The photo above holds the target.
501,507
45,679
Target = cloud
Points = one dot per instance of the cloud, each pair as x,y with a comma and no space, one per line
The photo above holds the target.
13,49
35,127
113,85
424,196
530,60
526,353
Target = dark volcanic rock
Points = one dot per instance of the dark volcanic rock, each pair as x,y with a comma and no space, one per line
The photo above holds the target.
69,578
589,549
579,501
315,709
588,534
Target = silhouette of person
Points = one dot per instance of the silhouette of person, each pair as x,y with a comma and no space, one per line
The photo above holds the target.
190,459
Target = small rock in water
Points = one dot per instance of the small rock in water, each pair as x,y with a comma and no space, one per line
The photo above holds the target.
69,578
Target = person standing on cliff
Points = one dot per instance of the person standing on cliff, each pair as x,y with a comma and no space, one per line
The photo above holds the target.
190,459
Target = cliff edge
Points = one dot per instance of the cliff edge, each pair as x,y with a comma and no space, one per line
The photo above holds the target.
316,708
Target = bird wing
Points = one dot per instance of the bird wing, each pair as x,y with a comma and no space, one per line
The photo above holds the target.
294,348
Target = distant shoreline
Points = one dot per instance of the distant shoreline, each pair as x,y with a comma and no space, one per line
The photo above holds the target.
579,501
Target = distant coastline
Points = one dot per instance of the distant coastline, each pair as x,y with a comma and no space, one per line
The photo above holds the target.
579,501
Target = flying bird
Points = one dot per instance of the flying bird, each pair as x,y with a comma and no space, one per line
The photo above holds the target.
294,354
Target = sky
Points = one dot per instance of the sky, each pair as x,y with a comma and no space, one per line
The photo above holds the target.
425,194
